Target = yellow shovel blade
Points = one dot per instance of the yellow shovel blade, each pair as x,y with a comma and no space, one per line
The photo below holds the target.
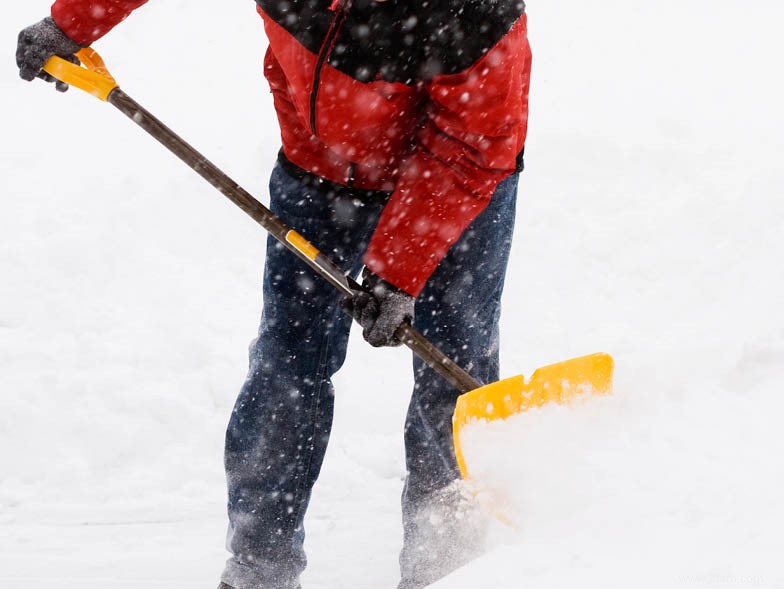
557,383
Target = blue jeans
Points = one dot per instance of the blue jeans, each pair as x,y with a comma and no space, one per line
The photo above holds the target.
278,433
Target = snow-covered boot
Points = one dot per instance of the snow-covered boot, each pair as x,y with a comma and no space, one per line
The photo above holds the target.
442,532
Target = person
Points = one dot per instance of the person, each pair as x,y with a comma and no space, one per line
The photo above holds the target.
403,125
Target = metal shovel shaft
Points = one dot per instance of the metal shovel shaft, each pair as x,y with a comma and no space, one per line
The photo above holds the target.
412,338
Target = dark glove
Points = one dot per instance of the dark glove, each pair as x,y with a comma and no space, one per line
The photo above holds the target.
39,42
380,308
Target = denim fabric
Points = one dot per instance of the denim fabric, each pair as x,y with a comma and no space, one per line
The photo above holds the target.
278,432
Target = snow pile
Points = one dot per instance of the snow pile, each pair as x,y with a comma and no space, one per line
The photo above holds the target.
613,486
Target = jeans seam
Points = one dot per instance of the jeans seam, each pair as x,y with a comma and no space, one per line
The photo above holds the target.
320,376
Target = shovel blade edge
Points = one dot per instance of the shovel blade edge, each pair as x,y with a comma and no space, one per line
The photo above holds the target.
557,383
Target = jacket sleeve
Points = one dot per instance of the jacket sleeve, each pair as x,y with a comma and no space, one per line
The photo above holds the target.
85,21
476,127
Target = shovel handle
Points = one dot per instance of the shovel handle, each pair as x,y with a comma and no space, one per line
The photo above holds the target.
92,76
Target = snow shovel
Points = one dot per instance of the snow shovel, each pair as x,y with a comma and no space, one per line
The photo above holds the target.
557,383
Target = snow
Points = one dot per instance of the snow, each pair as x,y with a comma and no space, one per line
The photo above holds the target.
650,226
631,482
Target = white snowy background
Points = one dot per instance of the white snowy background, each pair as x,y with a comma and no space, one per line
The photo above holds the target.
650,226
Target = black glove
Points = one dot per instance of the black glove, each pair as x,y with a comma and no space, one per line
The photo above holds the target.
380,308
39,42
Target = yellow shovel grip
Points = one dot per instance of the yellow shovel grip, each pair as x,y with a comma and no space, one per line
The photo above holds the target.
302,245
93,78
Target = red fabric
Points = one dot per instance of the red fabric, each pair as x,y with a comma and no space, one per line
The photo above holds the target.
85,21
443,159
476,126
369,124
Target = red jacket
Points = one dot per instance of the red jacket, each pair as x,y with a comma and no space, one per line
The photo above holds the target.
429,103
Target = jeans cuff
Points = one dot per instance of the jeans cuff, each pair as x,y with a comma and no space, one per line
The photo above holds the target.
264,575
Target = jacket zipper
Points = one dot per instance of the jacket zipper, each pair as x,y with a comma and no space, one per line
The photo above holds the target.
340,7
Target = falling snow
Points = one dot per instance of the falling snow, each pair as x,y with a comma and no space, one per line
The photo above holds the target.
649,226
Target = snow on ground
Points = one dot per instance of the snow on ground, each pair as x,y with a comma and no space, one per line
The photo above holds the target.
650,226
